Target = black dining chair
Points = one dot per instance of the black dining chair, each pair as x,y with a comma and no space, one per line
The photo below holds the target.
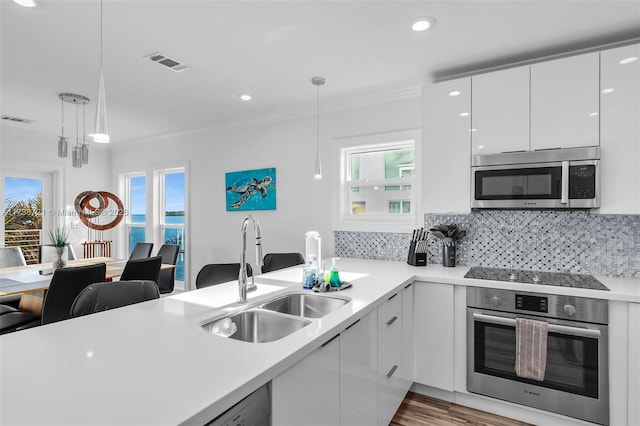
141,250
218,273
65,285
100,297
275,261
166,280
147,268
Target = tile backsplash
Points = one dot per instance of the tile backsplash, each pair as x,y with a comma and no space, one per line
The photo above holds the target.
547,240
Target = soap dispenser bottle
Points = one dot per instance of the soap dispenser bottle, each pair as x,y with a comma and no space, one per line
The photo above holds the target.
334,279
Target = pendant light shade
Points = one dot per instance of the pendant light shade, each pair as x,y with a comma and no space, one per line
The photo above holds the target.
318,81
101,132
63,145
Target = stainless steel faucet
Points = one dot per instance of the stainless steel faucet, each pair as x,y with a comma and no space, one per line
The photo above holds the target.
243,287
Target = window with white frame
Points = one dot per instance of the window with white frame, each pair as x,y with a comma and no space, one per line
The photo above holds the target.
136,190
378,179
157,211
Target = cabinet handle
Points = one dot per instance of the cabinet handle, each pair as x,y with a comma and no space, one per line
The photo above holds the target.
352,325
393,370
391,321
330,340
408,285
392,296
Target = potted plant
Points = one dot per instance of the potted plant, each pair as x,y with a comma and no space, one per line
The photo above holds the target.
58,238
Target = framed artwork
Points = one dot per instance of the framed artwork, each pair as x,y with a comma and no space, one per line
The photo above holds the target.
251,190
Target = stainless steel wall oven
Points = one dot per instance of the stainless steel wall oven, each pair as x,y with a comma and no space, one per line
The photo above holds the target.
576,380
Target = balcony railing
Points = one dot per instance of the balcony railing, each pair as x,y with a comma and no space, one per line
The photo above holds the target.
27,239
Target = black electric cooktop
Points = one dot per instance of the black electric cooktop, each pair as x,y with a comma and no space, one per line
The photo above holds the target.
536,277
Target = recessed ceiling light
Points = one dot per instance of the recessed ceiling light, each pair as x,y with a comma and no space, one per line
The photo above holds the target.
424,23
245,97
472,130
593,114
463,114
628,60
454,93
25,3
480,146
608,90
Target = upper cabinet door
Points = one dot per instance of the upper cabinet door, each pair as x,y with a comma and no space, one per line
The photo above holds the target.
620,130
446,142
565,102
500,105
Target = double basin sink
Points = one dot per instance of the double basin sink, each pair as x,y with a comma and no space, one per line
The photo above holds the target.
265,322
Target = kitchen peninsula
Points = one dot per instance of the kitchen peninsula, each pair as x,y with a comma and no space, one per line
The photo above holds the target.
125,366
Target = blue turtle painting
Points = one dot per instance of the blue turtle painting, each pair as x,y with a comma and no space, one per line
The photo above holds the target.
251,190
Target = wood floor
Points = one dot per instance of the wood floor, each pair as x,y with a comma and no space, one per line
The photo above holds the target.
418,409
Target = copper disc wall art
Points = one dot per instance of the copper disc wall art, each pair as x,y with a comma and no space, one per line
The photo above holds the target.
91,205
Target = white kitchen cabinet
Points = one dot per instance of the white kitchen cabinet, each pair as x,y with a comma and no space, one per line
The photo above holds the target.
565,96
434,335
446,153
620,131
309,392
391,386
359,372
500,106
406,372
633,385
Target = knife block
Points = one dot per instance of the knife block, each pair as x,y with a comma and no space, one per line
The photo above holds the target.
416,259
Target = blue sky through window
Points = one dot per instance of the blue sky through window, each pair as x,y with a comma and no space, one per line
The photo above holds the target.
18,189
174,191
138,195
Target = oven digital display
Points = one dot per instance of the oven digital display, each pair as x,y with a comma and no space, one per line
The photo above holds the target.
529,303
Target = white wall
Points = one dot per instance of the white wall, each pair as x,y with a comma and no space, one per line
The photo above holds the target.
303,204
24,150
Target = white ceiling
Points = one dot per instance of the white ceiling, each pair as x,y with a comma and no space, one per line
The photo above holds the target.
365,50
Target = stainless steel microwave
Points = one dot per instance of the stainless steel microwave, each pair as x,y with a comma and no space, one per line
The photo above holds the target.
546,179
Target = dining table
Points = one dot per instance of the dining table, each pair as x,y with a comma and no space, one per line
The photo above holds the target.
36,277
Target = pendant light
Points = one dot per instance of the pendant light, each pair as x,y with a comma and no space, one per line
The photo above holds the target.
101,133
80,152
63,145
318,81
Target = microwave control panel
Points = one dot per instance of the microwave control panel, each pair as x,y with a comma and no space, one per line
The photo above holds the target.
582,182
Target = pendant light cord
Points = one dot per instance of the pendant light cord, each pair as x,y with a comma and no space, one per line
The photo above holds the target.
101,34
62,108
318,121
76,125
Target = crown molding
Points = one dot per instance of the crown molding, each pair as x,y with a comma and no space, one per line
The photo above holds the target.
346,103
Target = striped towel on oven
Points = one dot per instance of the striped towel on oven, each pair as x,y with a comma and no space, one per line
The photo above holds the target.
531,348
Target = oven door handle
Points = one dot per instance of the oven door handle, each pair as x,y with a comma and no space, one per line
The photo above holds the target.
554,328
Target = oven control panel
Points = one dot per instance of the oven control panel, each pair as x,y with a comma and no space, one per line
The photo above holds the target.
526,302
545,305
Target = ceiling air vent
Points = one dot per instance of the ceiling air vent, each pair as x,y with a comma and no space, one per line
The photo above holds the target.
17,119
168,62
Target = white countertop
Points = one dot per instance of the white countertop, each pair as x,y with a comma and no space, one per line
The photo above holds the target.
151,363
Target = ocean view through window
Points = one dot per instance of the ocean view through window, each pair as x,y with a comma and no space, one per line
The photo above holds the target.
137,235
